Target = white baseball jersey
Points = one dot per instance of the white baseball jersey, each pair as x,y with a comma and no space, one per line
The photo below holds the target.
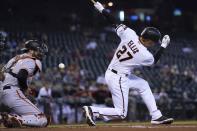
130,52
24,62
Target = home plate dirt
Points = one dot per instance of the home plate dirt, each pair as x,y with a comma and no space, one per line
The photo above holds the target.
114,127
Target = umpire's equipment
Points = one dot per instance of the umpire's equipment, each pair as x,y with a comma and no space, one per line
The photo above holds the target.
151,33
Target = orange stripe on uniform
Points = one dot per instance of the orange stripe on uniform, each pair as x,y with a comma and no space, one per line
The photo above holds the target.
24,99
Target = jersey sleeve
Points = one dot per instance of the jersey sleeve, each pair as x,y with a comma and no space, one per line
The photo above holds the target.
9,64
29,65
148,60
125,32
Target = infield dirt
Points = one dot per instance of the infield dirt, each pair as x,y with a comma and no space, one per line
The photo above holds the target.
109,128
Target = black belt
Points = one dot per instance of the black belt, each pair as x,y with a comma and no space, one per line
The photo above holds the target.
6,87
116,72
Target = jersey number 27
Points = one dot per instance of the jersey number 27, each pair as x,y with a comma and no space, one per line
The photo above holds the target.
123,51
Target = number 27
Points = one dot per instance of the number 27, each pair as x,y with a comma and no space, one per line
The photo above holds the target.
123,51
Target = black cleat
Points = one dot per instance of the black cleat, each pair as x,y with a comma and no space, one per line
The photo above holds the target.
89,116
162,120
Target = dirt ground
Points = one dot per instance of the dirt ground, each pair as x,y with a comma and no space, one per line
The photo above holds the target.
109,128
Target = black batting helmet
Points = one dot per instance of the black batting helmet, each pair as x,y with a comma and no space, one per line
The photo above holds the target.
36,45
151,33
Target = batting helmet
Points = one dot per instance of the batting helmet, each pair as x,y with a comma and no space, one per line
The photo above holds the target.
151,33
36,45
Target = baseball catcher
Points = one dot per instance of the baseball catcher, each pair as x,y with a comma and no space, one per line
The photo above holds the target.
17,73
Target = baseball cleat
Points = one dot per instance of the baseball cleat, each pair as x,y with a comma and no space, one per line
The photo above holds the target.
162,120
10,121
89,116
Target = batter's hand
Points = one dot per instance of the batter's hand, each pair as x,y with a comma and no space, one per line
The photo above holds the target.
165,41
99,6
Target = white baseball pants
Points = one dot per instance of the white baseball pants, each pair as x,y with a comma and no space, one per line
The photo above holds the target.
119,86
24,109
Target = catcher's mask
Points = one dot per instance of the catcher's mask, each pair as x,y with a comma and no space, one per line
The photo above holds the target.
40,48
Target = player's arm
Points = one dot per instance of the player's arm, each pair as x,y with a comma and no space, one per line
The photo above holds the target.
121,29
111,19
22,79
159,52
22,76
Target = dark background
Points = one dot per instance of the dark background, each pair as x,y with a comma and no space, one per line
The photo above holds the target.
57,14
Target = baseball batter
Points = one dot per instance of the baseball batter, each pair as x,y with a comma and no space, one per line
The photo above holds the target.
131,53
17,72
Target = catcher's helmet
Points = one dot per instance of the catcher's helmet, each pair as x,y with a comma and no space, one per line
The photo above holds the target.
36,45
151,33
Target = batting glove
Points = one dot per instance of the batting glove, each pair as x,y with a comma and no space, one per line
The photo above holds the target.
165,41
99,7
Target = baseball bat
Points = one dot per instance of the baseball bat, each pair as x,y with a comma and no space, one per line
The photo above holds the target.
93,1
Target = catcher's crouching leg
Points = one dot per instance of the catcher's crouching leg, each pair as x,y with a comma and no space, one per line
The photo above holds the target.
16,121
11,121
37,120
